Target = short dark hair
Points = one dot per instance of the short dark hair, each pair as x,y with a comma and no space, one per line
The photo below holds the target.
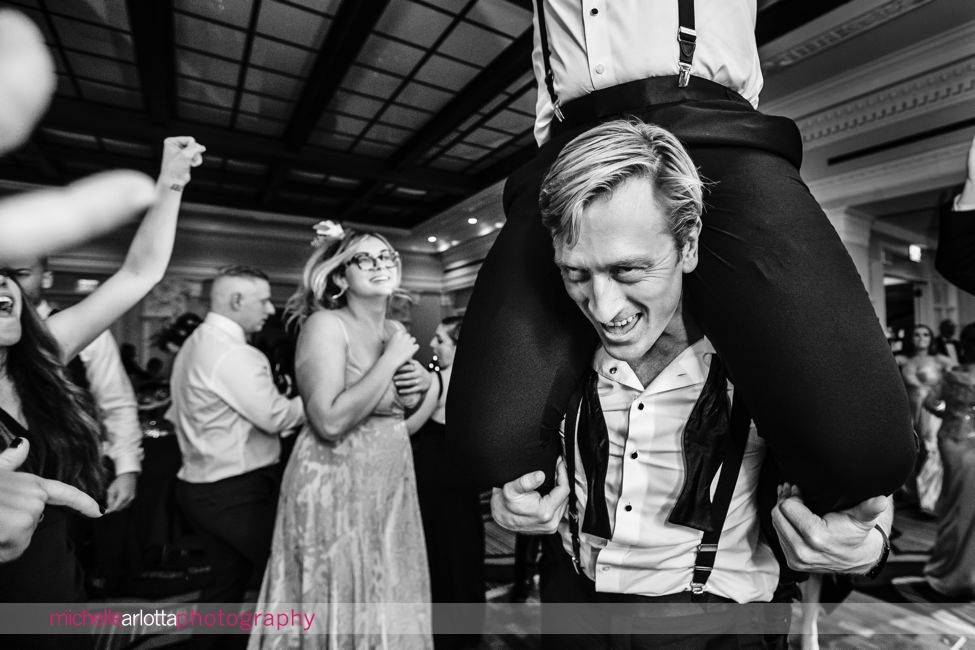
242,271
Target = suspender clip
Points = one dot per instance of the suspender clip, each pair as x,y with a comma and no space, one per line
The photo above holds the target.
687,43
697,588
557,107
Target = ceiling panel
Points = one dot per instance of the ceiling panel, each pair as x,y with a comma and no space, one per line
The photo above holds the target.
385,111
293,24
231,12
195,33
413,23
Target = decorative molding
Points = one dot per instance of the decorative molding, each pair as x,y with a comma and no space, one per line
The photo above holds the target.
908,174
833,32
935,90
932,53
904,234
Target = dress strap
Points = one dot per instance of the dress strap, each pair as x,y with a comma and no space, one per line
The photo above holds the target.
345,335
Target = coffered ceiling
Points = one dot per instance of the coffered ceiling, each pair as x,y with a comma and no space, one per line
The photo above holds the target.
404,115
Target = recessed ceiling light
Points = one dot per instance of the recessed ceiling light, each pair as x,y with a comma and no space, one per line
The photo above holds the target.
431,239
472,220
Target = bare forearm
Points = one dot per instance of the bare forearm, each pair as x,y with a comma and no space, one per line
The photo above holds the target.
152,245
335,418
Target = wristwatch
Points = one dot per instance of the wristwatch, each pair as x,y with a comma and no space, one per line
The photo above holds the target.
884,553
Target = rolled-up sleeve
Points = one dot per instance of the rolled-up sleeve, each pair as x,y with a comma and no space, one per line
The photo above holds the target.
115,399
242,378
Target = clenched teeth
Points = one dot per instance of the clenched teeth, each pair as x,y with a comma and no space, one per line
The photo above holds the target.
622,323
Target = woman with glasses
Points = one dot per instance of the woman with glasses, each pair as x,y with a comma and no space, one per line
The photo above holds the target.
348,539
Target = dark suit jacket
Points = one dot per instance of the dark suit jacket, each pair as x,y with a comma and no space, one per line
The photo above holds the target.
956,248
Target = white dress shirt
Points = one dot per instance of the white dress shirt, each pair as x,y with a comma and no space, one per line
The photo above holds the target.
112,392
596,44
647,555
227,411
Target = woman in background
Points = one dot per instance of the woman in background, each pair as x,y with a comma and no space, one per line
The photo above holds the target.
951,568
922,370
348,540
452,524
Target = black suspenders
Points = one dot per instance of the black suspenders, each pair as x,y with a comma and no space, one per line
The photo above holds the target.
708,548
686,41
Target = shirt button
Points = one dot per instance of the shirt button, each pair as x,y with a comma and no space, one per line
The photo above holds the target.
639,406
634,455
594,12
599,68
628,507
604,569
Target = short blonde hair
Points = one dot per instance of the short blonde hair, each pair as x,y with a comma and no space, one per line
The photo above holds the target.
596,163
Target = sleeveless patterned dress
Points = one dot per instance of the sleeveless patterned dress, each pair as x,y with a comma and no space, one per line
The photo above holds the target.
348,539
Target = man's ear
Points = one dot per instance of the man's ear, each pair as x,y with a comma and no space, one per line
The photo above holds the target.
235,300
689,253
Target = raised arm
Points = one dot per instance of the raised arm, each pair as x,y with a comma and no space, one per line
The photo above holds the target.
332,407
147,258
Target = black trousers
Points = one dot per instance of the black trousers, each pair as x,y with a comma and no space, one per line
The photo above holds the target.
775,291
630,622
235,519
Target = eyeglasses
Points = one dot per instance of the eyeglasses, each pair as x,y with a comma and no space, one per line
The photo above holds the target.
367,262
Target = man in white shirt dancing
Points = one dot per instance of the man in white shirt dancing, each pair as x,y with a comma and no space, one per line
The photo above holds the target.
229,418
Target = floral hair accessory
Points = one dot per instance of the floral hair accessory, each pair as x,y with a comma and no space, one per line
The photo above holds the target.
327,231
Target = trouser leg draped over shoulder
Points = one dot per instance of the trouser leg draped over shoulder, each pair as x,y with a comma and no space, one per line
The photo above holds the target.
775,291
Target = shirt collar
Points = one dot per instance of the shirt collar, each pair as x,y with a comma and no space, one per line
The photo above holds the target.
44,309
688,368
227,325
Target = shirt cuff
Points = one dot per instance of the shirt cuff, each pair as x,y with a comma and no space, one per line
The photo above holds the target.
958,206
126,465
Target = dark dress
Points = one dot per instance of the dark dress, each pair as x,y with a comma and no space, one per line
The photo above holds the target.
453,530
48,571
951,568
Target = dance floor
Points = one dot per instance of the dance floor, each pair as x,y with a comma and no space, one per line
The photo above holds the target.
893,611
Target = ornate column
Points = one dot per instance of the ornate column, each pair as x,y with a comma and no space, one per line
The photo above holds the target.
854,227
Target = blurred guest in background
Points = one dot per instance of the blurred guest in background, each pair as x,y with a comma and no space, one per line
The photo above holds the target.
951,568
452,524
946,344
229,418
922,370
